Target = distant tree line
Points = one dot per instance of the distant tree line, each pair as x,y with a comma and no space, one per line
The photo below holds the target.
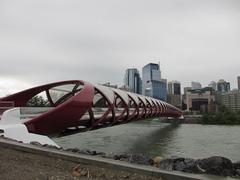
223,116
38,101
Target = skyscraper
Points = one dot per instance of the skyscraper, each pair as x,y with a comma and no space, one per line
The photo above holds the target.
152,83
223,86
133,81
174,93
174,87
238,82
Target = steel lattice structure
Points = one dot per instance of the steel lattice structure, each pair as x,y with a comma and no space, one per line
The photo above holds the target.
78,104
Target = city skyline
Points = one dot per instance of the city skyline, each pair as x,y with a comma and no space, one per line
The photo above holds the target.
45,41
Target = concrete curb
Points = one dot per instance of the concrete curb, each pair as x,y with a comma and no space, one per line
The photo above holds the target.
106,163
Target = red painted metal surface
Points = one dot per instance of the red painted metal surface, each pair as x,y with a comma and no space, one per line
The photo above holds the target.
89,106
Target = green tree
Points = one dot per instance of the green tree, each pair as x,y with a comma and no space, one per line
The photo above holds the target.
38,101
223,116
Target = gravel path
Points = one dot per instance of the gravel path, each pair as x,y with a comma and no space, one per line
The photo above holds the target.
23,166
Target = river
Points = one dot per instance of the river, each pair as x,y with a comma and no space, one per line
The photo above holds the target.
153,138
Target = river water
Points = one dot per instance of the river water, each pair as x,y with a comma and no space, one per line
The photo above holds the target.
153,138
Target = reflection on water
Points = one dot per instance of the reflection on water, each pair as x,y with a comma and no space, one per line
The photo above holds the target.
155,142
153,138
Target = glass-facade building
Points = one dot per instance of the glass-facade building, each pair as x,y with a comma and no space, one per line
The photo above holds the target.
174,93
223,86
174,87
152,83
133,81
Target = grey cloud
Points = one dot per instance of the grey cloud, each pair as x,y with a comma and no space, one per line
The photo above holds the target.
43,41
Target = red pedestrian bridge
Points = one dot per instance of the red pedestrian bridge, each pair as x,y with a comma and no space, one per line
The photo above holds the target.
77,105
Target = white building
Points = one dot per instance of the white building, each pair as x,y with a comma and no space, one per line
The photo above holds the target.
196,85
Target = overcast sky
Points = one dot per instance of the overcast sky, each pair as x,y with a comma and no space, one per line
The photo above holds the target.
96,40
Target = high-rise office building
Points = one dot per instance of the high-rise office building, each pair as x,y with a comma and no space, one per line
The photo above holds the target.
152,83
174,87
174,93
133,81
223,86
238,79
230,100
196,85
184,97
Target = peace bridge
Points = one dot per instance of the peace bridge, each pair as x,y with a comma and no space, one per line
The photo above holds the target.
75,105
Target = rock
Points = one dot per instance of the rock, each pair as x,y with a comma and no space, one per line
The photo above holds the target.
95,153
86,152
50,146
35,143
167,164
187,165
217,165
236,165
133,158
214,165
75,150
121,157
180,164
156,161
237,172
140,159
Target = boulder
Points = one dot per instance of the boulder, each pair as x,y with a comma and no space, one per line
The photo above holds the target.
167,164
85,151
51,146
217,165
139,159
187,165
236,165
35,143
121,157
180,164
75,150
237,172
133,158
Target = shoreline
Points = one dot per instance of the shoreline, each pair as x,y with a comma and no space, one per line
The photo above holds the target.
214,165
27,161
42,167
24,161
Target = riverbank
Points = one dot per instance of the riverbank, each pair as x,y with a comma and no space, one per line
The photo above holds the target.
17,163
23,161
215,165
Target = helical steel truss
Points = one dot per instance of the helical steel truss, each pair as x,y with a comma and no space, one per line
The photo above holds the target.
78,104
